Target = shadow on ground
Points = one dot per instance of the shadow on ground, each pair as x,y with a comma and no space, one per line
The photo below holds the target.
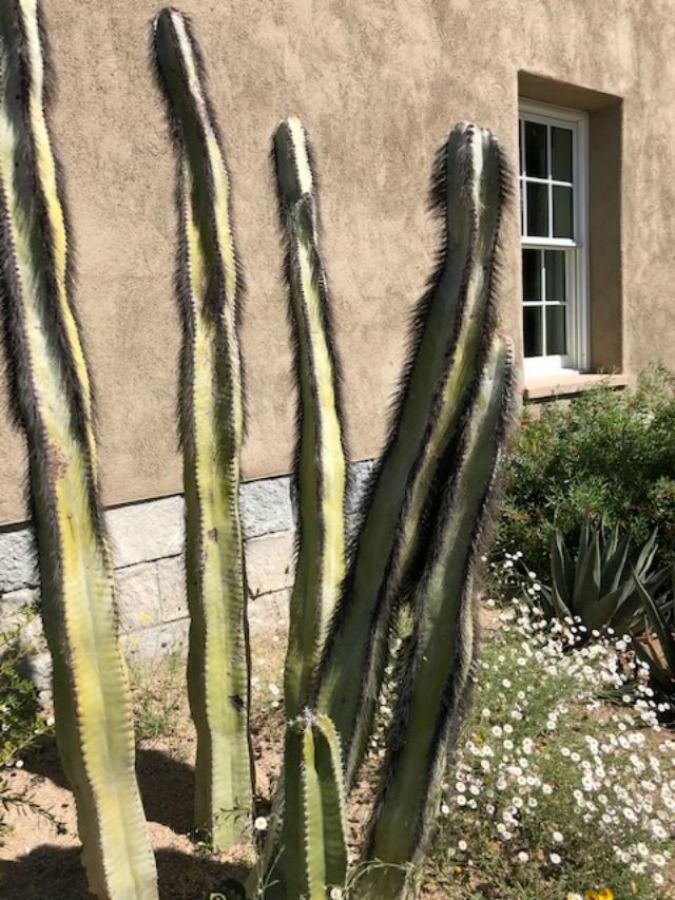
52,873
167,786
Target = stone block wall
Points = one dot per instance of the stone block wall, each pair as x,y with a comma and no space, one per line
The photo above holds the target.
147,541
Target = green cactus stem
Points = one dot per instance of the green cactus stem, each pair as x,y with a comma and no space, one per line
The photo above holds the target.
314,852
320,466
52,403
433,689
211,433
451,336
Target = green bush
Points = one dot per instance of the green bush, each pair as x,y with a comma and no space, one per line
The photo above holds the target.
606,453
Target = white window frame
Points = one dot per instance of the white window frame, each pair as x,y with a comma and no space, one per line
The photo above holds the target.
577,358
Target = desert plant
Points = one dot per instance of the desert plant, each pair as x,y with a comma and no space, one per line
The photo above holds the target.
423,518
596,585
211,423
52,402
607,452
656,648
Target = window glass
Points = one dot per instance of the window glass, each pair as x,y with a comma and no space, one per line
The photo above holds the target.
563,224
556,337
561,154
531,275
554,265
536,141
532,331
537,209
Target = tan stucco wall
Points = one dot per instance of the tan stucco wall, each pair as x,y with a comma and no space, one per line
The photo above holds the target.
378,85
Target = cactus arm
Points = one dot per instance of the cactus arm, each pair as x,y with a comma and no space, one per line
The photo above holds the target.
434,683
450,338
211,433
314,851
320,469
52,401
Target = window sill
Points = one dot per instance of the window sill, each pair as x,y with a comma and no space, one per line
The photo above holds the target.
543,387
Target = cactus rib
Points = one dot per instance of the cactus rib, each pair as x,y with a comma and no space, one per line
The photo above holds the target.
52,401
320,466
211,432
451,335
435,678
315,823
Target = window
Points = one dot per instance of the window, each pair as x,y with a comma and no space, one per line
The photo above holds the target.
554,226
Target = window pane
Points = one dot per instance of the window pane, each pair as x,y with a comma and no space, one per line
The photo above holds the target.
531,275
554,261
561,154
562,212
532,331
537,210
556,331
535,150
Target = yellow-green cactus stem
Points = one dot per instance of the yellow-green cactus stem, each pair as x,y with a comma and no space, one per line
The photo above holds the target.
314,848
211,433
52,402
433,688
320,465
451,336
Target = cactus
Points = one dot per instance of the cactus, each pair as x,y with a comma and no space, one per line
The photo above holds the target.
451,334
211,432
435,679
422,522
315,824
52,403
320,467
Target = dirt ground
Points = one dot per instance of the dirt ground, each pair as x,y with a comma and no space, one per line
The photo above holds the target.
39,863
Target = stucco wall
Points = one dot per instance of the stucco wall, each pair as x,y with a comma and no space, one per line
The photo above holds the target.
378,85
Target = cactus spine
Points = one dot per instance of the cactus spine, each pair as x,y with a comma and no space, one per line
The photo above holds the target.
434,682
451,335
320,468
211,432
52,402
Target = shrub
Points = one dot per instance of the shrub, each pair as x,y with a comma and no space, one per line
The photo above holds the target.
605,454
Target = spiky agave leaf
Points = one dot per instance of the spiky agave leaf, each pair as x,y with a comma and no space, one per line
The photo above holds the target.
451,334
211,431
320,465
433,691
52,402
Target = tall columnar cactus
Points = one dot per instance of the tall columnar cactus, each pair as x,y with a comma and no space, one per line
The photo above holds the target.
211,433
434,682
452,332
52,402
320,468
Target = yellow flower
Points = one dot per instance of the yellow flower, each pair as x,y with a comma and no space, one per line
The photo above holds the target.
606,894
458,870
591,895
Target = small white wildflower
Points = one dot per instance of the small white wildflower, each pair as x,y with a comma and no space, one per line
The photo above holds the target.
260,824
555,858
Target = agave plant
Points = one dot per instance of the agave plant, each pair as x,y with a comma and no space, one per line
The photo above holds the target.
424,518
656,646
596,586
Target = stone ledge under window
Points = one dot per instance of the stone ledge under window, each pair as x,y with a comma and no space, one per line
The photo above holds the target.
545,387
